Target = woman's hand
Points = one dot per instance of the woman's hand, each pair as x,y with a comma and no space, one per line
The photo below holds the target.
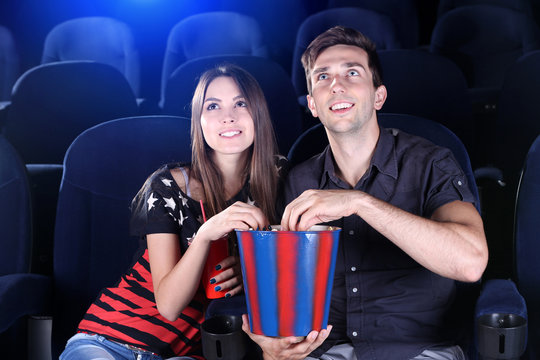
237,216
230,279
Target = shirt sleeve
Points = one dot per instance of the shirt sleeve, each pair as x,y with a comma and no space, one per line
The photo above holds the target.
156,209
446,183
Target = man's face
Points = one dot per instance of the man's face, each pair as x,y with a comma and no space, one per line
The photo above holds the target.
343,96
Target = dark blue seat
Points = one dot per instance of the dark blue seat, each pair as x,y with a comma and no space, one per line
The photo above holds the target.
484,41
274,81
430,86
9,63
527,228
208,34
103,170
51,104
378,27
519,5
404,15
100,39
22,293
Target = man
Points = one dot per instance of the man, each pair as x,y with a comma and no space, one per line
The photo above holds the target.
409,226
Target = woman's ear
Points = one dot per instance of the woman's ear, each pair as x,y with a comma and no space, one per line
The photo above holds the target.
380,97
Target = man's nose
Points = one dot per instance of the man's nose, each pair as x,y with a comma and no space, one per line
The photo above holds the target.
337,84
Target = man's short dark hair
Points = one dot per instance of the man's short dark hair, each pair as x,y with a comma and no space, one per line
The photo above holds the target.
340,35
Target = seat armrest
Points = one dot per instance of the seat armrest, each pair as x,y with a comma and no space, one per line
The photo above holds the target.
500,321
22,295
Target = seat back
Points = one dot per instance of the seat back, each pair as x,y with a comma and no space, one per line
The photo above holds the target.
100,39
208,34
272,78
9,63
484,41
527,228
378,27
404,15
519,5
15,212
518,121
53,103
104,168
314,140
439,92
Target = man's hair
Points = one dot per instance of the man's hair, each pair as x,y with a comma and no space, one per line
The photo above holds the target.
340,35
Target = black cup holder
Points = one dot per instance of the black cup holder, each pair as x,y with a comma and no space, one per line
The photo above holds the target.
223,338
501,336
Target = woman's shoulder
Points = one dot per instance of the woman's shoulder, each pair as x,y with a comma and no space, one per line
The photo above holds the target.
282,166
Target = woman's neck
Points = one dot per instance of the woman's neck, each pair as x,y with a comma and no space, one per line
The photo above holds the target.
232,168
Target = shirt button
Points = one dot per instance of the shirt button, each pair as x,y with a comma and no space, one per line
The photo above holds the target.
354,333
459,183
354,290
353,268
351,232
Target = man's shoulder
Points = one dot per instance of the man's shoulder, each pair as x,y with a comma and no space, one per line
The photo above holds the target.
409,144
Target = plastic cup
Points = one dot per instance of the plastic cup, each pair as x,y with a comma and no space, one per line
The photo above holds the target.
219,250
288,278
223,338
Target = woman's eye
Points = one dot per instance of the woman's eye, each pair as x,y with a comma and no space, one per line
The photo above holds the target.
212,106
241,104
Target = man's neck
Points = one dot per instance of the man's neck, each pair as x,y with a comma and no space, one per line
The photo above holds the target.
353,152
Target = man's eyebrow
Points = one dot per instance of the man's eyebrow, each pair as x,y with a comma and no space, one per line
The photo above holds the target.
353,64
320,70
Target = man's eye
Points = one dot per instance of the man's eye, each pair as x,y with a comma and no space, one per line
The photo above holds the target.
322,77
212,106
353,73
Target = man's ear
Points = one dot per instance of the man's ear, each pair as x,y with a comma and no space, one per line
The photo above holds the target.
380,97
311,106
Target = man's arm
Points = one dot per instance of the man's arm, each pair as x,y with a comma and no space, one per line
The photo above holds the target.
452,243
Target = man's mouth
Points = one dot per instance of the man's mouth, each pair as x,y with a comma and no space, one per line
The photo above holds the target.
341,106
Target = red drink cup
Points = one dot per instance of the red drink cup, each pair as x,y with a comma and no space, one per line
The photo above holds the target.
219,250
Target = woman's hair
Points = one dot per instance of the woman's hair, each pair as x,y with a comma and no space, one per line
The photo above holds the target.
260,167
339,35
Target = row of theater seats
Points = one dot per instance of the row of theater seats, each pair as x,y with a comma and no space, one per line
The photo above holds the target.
104,168
483,37
52,103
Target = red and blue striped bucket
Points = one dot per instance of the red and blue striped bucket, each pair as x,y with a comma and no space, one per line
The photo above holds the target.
288,277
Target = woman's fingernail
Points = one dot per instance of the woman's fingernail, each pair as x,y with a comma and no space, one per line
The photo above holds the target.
212,281
218,267
217,288
227,295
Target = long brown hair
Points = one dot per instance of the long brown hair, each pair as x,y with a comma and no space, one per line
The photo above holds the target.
260,167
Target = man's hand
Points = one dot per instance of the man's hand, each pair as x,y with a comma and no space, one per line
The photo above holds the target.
291,347
317,206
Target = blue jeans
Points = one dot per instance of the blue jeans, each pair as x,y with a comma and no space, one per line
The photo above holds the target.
95,347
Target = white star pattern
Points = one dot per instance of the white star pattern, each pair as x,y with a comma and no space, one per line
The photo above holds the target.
250,202
151,200
182,218
167,182
184,200
169,202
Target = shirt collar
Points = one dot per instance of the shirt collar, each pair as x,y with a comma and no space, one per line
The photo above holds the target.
384,159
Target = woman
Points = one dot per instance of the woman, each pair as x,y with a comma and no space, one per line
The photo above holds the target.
155,310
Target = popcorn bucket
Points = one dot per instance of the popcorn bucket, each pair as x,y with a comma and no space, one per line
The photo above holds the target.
288,277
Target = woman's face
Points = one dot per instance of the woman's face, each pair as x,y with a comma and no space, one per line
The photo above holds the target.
226,123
